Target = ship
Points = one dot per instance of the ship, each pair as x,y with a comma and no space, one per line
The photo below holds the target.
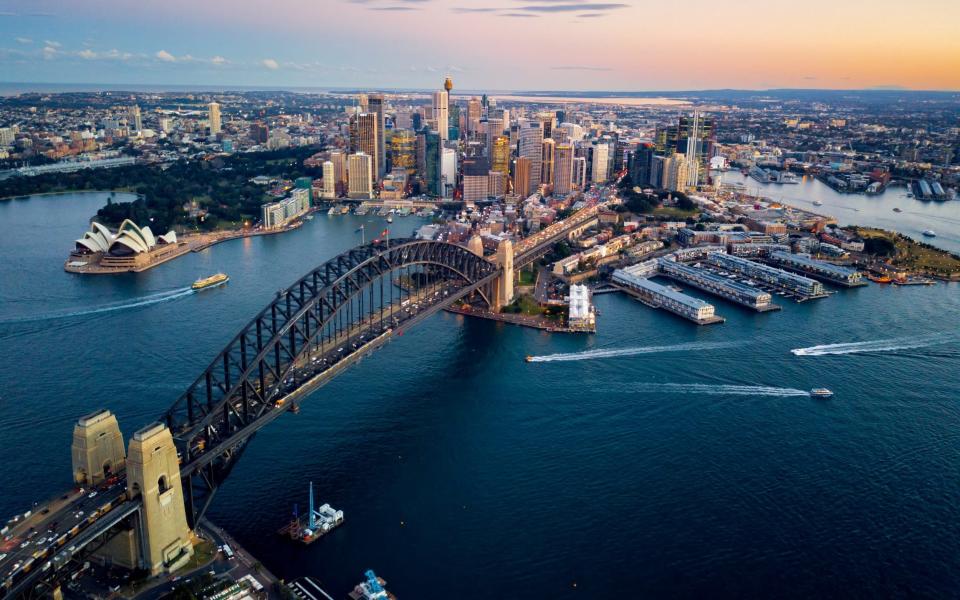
529,359
897,209
821,393
212,281
760,174
929,233
817,203
389,218
879,278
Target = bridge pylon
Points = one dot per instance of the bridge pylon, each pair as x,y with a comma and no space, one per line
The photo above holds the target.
504,284
97,449
153,474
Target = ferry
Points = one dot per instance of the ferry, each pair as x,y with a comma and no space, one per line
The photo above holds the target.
879,278
212,281
817,203
333,210
897,209
529,359
929,233
821,393
389,218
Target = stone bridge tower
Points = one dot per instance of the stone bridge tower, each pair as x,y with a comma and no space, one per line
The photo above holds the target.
97,449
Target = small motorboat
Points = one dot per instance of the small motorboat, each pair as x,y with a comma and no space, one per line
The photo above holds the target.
897,209
821,393
929,233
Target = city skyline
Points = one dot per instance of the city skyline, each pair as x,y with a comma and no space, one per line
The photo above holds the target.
501,45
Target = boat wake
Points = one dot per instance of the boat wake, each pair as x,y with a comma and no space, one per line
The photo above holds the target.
887,345
615,352
106,308
721,389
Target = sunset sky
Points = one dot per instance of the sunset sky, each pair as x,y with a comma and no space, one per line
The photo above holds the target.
632,45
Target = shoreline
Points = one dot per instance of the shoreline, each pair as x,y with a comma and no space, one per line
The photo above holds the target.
66,192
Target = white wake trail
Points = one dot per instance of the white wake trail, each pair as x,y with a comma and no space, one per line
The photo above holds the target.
615,352
144,301
886,345
720,389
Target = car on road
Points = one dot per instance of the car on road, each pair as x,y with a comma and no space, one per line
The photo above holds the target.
92,494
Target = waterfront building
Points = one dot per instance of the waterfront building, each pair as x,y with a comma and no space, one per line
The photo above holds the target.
363,137
213,117
563,170
782,279
581,315
339,160
803,263
530,146
329,181
716,284
281,213
662,296
360,176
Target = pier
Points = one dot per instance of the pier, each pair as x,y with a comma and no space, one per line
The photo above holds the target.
655,295
818,269
788,284
715,284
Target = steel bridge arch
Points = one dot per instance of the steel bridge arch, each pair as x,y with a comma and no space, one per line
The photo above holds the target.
238,392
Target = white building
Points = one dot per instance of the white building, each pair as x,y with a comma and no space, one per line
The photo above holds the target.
600,163
448,170
213,110
582,314
329,181
360,175
441,113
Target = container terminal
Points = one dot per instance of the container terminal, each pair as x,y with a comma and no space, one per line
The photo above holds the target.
316,524
824,271
660,296
718,285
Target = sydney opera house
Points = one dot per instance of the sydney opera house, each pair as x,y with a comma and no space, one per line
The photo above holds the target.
130,248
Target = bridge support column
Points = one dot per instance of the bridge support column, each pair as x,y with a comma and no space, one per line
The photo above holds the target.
97,449
153,474
504,287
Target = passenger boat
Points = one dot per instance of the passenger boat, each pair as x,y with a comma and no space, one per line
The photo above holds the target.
817,203
529,359
929,233
897,209
879,278
389,218
821,393
212,281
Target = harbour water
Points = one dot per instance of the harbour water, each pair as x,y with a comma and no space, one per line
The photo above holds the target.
653,459
860,209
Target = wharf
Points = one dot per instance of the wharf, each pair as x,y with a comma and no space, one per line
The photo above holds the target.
533,322
713,320
819,277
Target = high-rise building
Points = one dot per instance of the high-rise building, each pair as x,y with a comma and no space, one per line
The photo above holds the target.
530,146
375,105
360,175
474,111
676,169
573,132
580,172
497,184
259,133
431,163
339,160
547,122
563,170
500,155
696,137
363,103
641,163
135,121
363,137
441,113
329,181
448,171
213,116
522,170
476,179
403,151
547,157
599,162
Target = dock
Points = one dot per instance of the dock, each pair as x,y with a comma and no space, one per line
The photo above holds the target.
767,278
655,295
717,285
534,322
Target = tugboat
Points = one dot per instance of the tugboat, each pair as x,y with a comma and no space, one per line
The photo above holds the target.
821,393
212,281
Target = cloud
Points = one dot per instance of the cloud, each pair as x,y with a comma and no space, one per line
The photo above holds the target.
113,54
52,43
48,53
219,60
165,56
464,9
580,68
87,54
270,64
518,15
394,8
590,15
23,40
555,8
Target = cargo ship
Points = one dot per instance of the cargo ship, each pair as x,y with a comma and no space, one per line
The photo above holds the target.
212,281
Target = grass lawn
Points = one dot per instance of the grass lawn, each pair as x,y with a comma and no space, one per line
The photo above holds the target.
674,212
528,277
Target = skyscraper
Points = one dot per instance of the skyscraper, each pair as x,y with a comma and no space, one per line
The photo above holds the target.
547,121
213,116
403,150
580,172
640,164
563,170
599,163
329,181
431,163
441,113
530,146
500,155
522,169
360,174
547,157
363,137
135,121
375,105
695,139
473,116
339,160
448,171
676,169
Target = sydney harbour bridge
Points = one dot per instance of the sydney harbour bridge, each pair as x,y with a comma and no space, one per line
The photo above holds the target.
153,495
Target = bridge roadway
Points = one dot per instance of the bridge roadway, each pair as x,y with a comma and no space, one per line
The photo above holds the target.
35,547
75,520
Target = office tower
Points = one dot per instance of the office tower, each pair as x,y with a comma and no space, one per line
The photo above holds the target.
135,121
676,169
403,151
546,158
416,120
574,132
580,172
259,133
360,175
494,129
329,181
213,116
363,102
165,123
563,170
431,163
403,119
696,137
441,113
339,160
640,164
530,146
363,137
656,171
448,171
476,179
375,105
473,116
500,155
599,162
547,122
522,169
497,184
561,116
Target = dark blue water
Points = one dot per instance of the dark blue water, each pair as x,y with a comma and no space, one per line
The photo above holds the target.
465,471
